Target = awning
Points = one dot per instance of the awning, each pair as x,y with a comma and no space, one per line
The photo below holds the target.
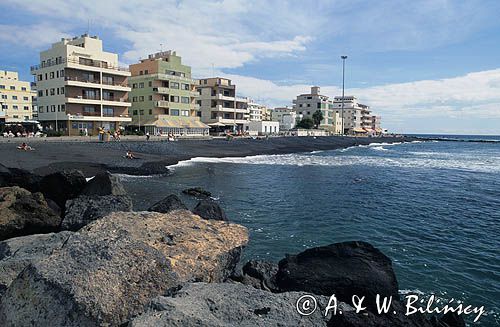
359,130
378,130
368,130
178,122
216,124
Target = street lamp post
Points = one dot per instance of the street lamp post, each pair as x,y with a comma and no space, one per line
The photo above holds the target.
343,88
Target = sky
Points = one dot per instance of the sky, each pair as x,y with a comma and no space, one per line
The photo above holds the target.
425,66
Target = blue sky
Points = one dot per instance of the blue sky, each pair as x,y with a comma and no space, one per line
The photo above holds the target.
425,66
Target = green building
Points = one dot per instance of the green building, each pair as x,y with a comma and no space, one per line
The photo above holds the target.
164,96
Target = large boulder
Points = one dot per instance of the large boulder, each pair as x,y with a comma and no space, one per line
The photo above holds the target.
259,274
170,203
19,177
24,213
209,209
17,253
226,304
85,209
344,269
197,192
110,269
104,184
63,185
394,318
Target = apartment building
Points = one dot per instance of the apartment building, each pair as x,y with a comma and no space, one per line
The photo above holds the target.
16,98
376,124
81,88
357,117
220,108
286,117
255,110
164,96
307,104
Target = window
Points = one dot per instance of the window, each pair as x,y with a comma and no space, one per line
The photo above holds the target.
108,80
108,112
141,72
185,87
40,93
141,98
52,91
23,88
107,95
90,94
150,83
134,99
12,87
57,74
185,100
14,97
141,85
146,72
308,105
26,98
4,96
62,90
134,86
4,106
134,112
174,98
319,105
174,112
40,77
52,75
174,85
15,107
63,107
89,111
185,113
150,111
61,73
150,98
40,109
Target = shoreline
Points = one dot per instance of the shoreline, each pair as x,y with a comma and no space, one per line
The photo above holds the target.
156,155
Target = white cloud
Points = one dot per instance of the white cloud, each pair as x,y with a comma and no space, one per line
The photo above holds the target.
28,36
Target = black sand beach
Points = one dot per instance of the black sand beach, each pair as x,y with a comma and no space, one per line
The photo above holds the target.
154,156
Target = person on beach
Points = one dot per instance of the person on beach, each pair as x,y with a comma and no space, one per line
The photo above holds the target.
24,146
147,136
130,155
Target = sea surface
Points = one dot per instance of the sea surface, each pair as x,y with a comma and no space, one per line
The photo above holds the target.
432,207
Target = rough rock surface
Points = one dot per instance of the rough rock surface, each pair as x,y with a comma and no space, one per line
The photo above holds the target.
227,304
17,253
209,209
24,213
197,191
84,209
259,274
344,269
104,184
110,269
63,185
19,177
170,203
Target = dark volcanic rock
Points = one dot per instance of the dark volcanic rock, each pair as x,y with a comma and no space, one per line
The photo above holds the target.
450,319
369,319
108,271
104,184
209,209
170,203
63,185
17,253
24,213
201,304
197,191
259,274
85,209
19,177
344,269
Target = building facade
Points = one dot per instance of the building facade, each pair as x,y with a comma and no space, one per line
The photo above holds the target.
357,117
16,98
255,110
220,108
307,104
286,117
262,127
81,88
376,124
164,96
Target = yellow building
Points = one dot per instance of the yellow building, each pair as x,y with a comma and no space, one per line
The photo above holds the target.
16,98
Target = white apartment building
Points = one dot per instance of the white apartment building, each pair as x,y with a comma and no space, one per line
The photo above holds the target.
262,127
286,117
16,98
220,108
307,104
256,110
81,87
357,117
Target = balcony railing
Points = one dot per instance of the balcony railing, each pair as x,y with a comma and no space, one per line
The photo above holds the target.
91,63
84,80
162,104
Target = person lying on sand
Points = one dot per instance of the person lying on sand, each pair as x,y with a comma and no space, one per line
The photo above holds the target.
24,146
130,155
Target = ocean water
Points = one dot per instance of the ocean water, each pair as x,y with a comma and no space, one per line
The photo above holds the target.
432,207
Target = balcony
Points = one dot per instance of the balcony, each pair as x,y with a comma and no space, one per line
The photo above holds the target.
161,90
95,100
82,82
162,104
226,109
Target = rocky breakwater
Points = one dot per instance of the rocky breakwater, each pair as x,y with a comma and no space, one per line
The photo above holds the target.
108,271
